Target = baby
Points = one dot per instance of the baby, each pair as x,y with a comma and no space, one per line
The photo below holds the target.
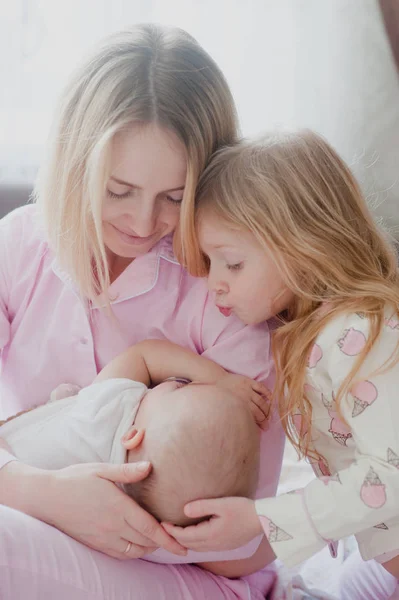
200,437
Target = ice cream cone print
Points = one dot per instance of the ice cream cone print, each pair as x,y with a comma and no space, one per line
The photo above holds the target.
373,490
381,526
352,342
364,394
274,533
392,323
328,404
340,432
393,458
341,438
277,534
315,356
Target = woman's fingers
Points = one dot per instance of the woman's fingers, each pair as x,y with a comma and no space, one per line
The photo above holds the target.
131,534
138,519
125,473
131,550
149,529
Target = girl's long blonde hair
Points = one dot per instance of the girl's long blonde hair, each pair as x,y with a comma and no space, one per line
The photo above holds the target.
146,74
301,202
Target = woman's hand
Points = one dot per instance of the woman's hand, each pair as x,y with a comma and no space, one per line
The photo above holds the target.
233,523
84,502
257,394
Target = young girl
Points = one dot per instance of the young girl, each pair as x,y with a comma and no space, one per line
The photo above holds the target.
285,231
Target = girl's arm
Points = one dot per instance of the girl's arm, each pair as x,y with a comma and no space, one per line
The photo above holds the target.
362,497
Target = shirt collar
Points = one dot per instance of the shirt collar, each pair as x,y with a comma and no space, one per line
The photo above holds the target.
138,278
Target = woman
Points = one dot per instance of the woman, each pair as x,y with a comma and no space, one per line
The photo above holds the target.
90,270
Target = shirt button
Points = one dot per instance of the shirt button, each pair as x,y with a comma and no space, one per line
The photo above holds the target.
84,341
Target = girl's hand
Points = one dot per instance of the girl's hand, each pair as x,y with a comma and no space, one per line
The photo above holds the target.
84,502
257,394
233,523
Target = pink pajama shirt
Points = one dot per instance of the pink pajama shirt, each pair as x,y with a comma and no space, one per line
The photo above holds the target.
49,335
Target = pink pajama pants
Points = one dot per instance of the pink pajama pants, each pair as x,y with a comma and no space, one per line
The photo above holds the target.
38,562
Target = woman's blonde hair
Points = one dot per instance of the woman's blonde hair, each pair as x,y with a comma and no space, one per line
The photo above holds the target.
146,74
299,199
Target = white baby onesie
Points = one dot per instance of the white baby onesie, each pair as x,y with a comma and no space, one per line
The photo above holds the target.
80,429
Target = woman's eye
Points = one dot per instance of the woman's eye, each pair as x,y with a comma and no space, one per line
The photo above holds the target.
119,196
235,267
176,201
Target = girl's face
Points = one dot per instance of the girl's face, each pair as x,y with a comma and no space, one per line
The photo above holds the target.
243,277
144,191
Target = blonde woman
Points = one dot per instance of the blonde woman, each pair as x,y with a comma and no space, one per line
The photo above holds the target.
89,270
285,231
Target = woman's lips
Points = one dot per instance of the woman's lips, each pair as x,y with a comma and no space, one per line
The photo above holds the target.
225,310
133,240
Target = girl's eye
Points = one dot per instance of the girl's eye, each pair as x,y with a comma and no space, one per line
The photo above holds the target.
176,201
119,196
235,267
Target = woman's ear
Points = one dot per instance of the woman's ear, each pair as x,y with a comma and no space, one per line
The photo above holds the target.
132,438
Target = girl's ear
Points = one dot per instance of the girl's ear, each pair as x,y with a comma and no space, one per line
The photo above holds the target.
132,438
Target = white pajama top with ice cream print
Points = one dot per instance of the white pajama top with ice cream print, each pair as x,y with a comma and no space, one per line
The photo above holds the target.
357,489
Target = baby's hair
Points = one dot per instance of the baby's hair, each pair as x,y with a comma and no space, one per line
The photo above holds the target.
303,205
207,455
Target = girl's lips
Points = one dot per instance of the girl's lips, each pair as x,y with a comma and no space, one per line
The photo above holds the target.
225,311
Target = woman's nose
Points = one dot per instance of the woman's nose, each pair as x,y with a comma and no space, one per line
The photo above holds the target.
144,218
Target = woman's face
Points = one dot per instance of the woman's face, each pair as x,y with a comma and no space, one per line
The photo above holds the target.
144,191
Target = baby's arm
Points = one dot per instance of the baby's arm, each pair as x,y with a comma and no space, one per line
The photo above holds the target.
153,361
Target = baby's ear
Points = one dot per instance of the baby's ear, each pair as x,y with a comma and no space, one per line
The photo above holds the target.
132,438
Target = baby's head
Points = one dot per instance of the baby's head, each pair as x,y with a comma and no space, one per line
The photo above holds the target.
202,442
